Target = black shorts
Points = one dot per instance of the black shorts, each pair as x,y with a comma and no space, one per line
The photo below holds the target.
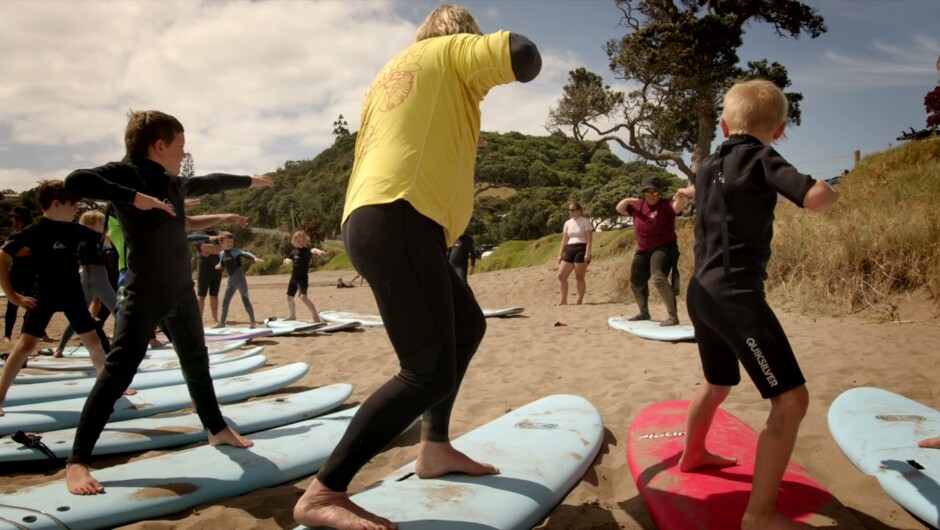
574,253
208,280
297,283
72,304
735,324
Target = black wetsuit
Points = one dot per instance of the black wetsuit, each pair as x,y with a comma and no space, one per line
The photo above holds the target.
208,278
54,245
461,254
158,286
736,192
23,280
299,278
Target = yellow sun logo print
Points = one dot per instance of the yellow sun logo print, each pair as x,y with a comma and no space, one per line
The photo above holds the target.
392,87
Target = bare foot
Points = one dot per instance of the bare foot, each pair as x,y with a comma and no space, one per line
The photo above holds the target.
770,521
562,303
80,482
322,507
218,325
252,326
2,414
227,436
57,354
705,460
636,318
436,459
130,392
930,443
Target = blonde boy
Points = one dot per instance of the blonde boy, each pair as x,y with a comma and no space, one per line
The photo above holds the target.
736,191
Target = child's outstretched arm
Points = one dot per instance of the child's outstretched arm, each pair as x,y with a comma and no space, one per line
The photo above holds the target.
820,197
199,222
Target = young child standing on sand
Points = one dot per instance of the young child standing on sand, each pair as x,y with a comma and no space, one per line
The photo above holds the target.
300,258
736,191
231,260
53,241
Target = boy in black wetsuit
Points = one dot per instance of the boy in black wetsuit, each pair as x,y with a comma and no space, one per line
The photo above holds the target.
53,242
147,196
22,274
736,191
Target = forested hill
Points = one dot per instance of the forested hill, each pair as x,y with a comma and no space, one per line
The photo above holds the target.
524,184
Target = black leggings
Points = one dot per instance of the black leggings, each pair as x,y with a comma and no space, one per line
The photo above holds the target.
432,320
139,315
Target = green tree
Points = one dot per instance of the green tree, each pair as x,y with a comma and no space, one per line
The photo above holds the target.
681,55
340,127
187,169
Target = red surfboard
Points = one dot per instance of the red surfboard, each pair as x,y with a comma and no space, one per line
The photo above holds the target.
713,499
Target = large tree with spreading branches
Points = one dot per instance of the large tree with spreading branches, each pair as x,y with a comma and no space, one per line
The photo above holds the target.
681,56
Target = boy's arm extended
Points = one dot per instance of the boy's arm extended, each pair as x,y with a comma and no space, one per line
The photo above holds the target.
112,182
218,182
199,222
820,197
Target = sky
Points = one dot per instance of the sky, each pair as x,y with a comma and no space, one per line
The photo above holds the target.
258,83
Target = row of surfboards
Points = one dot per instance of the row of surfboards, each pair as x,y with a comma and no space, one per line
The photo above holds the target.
542,448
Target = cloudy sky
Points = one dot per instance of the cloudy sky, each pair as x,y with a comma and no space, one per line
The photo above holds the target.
257,83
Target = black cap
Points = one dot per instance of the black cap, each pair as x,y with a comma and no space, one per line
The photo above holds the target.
22,213
650,183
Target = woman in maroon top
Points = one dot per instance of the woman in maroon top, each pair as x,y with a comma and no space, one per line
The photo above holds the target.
657,252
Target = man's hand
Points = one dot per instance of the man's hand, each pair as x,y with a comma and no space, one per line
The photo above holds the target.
260,181
146,202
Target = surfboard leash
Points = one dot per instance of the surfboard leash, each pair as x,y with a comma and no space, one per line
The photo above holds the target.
34,441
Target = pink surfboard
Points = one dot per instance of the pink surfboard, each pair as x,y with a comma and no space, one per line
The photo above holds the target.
714,499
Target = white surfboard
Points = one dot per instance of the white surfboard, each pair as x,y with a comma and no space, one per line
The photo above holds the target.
283,326
650,329
542,451
878,431
364,319
56,390
181,428
234,333
65,413
504,312
166,351
334,327
169,362
166,484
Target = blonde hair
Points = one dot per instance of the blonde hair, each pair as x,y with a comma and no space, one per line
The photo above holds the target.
91,218
447,19
754,107
300,234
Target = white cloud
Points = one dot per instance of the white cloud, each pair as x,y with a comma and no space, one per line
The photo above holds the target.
886,64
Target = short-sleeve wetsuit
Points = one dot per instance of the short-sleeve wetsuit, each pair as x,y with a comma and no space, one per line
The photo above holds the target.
736,192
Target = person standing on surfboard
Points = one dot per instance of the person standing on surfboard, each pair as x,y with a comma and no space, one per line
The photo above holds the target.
299,259
657,250
736,190
148,196
410,196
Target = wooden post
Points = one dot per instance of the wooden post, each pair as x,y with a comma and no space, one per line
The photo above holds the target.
858,156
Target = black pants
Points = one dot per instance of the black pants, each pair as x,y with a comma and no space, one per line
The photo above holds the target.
139,315
22,283
432,320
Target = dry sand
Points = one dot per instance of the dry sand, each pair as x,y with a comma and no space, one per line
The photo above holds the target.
527,357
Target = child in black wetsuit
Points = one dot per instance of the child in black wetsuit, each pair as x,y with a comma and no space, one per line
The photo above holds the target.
53,241
736,191
148,199
300,257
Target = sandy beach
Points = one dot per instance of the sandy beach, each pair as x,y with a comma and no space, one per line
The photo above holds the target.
527,357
